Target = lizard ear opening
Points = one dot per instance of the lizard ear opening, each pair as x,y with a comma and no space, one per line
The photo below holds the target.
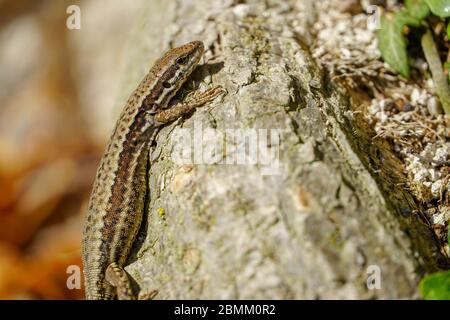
166,84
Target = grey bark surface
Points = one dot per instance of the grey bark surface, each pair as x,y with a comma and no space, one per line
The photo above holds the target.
229,231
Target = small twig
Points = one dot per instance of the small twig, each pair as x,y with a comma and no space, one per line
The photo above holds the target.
439,78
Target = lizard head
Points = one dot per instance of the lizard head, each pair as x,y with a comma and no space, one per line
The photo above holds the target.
171,71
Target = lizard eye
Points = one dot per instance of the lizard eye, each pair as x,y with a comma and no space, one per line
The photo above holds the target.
166,84
182,60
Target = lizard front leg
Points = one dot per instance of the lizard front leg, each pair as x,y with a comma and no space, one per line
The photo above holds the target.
193,101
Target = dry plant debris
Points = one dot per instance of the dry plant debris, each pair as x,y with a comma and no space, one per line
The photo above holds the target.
406,113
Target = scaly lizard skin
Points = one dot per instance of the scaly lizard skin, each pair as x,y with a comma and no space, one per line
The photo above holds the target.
116,205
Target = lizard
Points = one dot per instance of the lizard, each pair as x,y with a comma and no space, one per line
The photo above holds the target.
116,205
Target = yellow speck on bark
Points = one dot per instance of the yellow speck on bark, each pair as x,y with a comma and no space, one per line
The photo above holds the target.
161,212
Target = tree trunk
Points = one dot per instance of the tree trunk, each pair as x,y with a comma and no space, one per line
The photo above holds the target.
321,222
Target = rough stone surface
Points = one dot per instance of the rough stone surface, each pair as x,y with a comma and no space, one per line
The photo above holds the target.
310,230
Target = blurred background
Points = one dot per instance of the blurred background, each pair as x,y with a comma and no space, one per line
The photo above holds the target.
57,92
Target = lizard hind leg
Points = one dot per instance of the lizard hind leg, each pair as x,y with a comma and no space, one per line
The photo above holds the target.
118,278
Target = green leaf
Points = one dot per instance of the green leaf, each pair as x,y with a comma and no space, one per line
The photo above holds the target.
436,286
440,8
403,17
392,45
417,9
448,30
447,67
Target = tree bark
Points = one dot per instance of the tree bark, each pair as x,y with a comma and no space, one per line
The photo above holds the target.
333,213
